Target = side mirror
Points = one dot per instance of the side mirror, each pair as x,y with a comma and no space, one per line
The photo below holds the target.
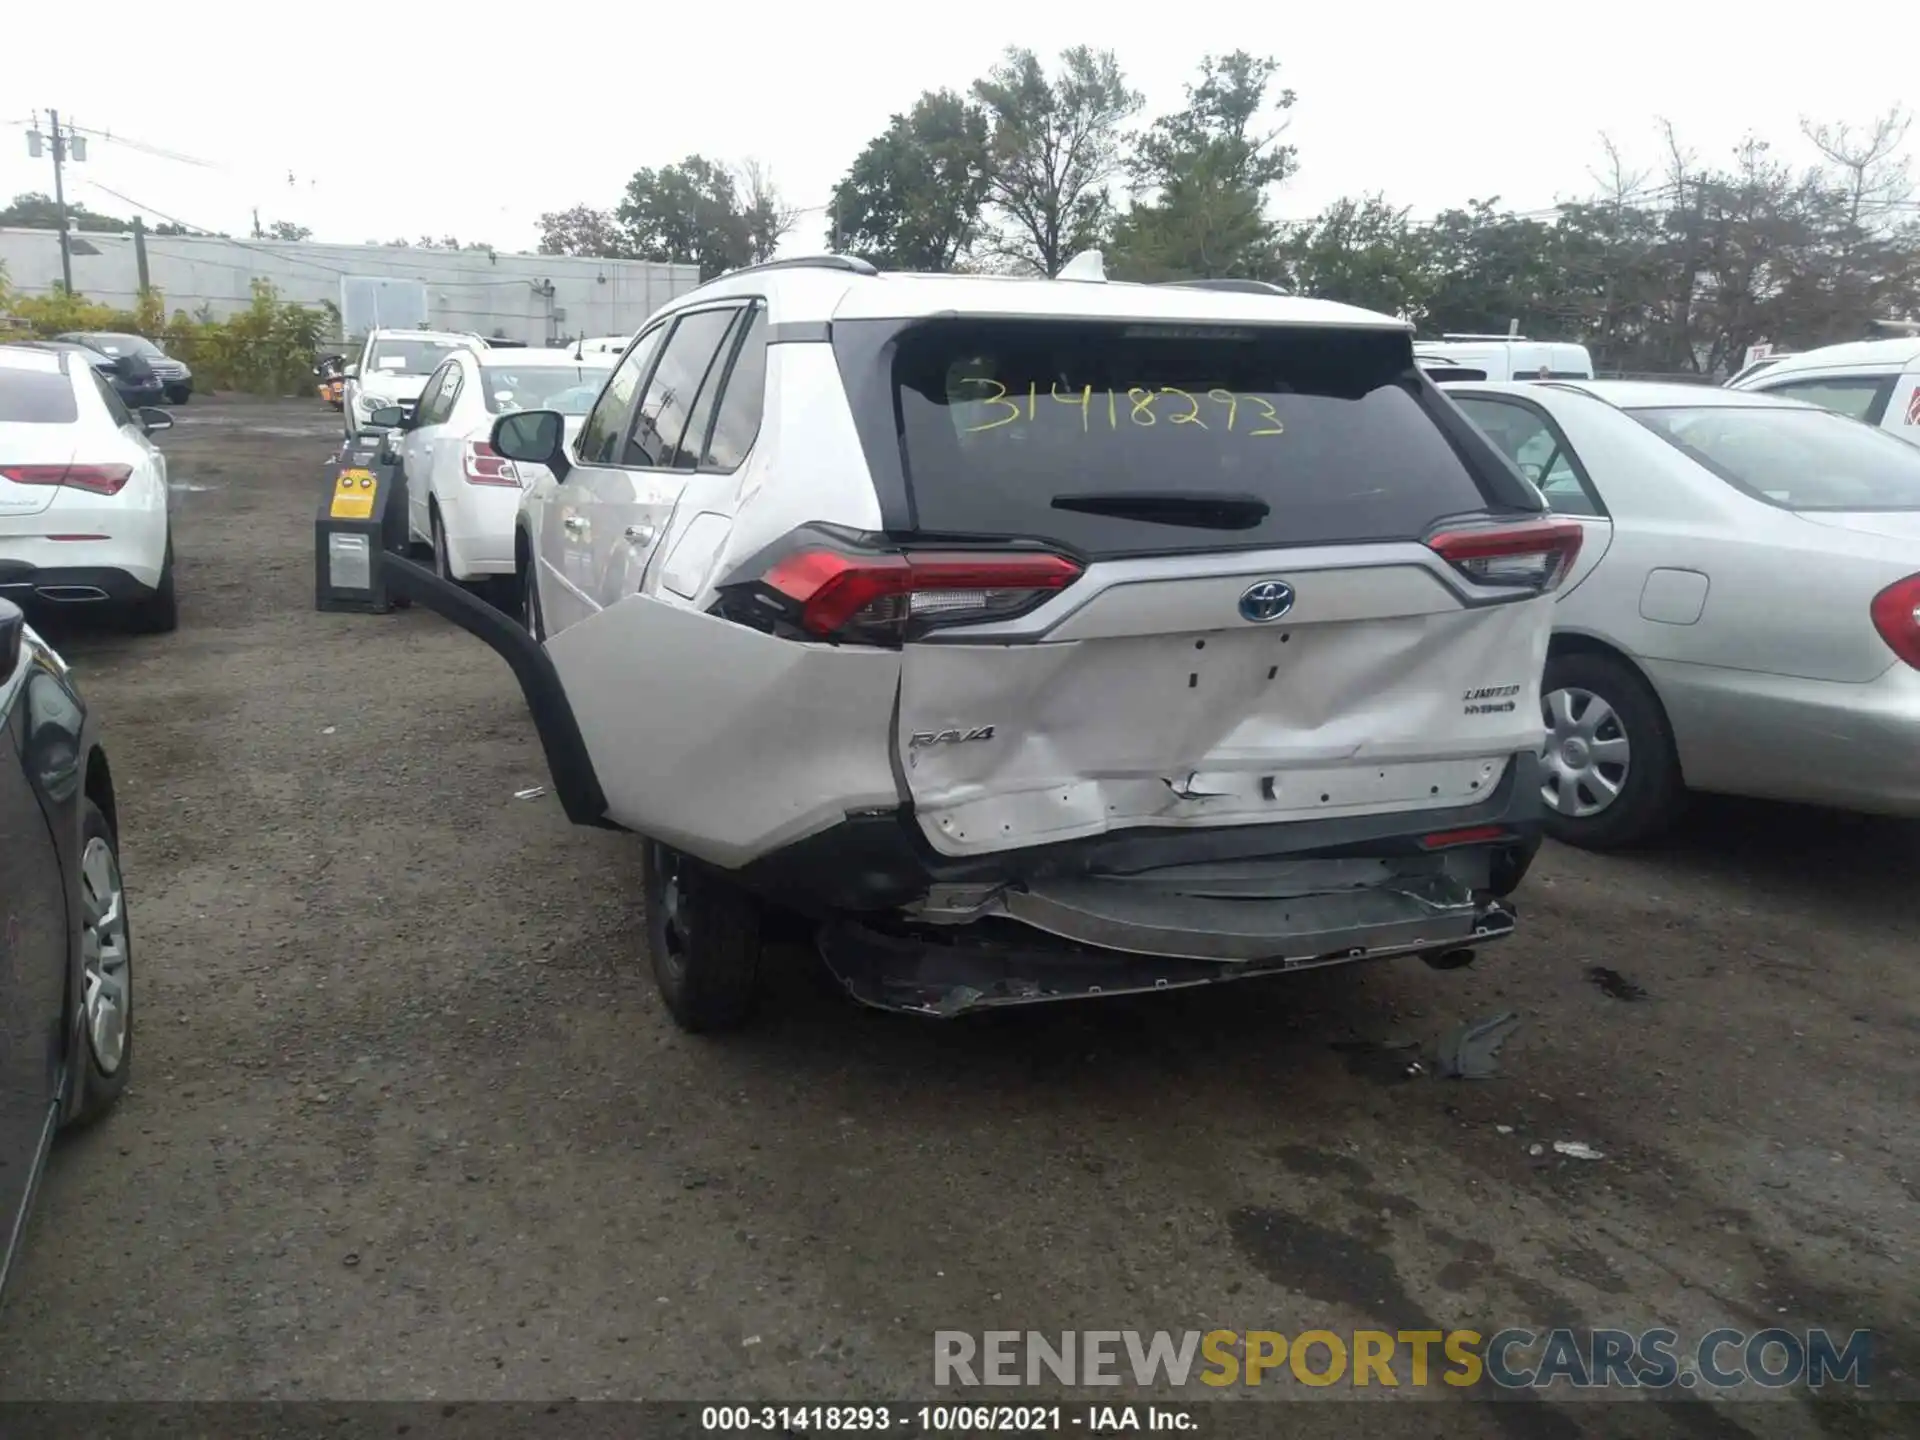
538,437
388,417
352,372
154,420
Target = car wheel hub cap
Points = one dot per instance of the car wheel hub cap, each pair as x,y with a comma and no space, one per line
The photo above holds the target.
105,974
1587,753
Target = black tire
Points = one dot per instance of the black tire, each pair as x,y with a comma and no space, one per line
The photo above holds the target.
703,937
179,397
158,613
1510,867
1652,793
101,1089
442,557
530,613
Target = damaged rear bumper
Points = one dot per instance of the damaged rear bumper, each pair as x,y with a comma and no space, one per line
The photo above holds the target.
969,947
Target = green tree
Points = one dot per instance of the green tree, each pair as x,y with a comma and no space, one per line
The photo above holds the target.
34,211
912,198
583,230
1362,252
699,213
1201,176
287,230
1055,144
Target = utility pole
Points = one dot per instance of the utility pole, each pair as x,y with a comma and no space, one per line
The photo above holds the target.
256,224
60,141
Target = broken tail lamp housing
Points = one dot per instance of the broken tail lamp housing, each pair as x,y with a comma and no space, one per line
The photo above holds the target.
849,595
1531,556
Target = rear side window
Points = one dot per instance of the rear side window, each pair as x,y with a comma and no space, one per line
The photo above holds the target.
1858,397
1053,429
1796,459
737,425
35,397
663,413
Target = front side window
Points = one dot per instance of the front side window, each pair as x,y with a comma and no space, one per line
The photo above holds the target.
606,422
1858,397
1794,458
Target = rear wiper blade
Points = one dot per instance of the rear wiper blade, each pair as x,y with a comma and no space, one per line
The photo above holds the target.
1199,509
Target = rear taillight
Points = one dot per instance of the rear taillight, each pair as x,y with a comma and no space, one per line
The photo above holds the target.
1896,615
1532,555
888,597
98,479
483,465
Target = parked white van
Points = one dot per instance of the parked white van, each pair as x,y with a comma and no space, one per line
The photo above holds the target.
1508,357
1874,381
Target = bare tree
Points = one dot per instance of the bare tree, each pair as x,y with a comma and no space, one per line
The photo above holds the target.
770,219
1869,159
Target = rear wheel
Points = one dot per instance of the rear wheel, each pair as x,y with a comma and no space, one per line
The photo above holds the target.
105,1056
159,612
442,557
703,936
1611,777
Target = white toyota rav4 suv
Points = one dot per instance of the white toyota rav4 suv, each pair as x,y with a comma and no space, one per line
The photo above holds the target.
1032,638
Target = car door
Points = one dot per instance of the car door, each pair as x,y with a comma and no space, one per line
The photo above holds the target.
558,509
1526,434
416,449
34,938
627,505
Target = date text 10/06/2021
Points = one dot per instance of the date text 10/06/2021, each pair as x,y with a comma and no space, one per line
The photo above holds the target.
1141,405
956,1419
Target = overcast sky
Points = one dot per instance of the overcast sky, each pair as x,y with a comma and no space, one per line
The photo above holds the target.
472,119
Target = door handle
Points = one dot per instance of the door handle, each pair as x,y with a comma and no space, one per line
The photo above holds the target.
574,523
640,534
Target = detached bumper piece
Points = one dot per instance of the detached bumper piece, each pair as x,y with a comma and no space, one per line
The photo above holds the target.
971,948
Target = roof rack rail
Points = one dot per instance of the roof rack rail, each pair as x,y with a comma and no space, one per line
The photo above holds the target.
1240,287
853,264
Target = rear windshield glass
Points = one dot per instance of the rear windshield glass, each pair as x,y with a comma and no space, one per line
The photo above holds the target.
570,389
1047,429
1796,459
411,357
33,397
124,345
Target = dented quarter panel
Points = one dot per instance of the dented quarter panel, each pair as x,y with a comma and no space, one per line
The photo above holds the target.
1379,693
776,741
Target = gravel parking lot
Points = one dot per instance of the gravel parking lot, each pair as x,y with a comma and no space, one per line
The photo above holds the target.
408,1120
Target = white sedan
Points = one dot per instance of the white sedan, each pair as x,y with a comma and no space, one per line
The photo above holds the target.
1744,616
83,492
462,497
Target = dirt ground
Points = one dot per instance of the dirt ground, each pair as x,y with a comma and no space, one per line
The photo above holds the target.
408,1120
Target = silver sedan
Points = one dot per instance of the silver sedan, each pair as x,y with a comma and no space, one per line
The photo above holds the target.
1744,616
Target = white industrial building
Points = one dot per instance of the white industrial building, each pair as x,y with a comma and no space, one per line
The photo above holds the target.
535,299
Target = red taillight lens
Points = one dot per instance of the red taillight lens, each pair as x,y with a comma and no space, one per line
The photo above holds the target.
483,465
98,479
880,596
1896,615
1473,835
1531,555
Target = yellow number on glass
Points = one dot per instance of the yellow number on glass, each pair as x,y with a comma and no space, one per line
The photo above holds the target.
1228,399
1142,403
999,397
1274,429
1192,417
1084,400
